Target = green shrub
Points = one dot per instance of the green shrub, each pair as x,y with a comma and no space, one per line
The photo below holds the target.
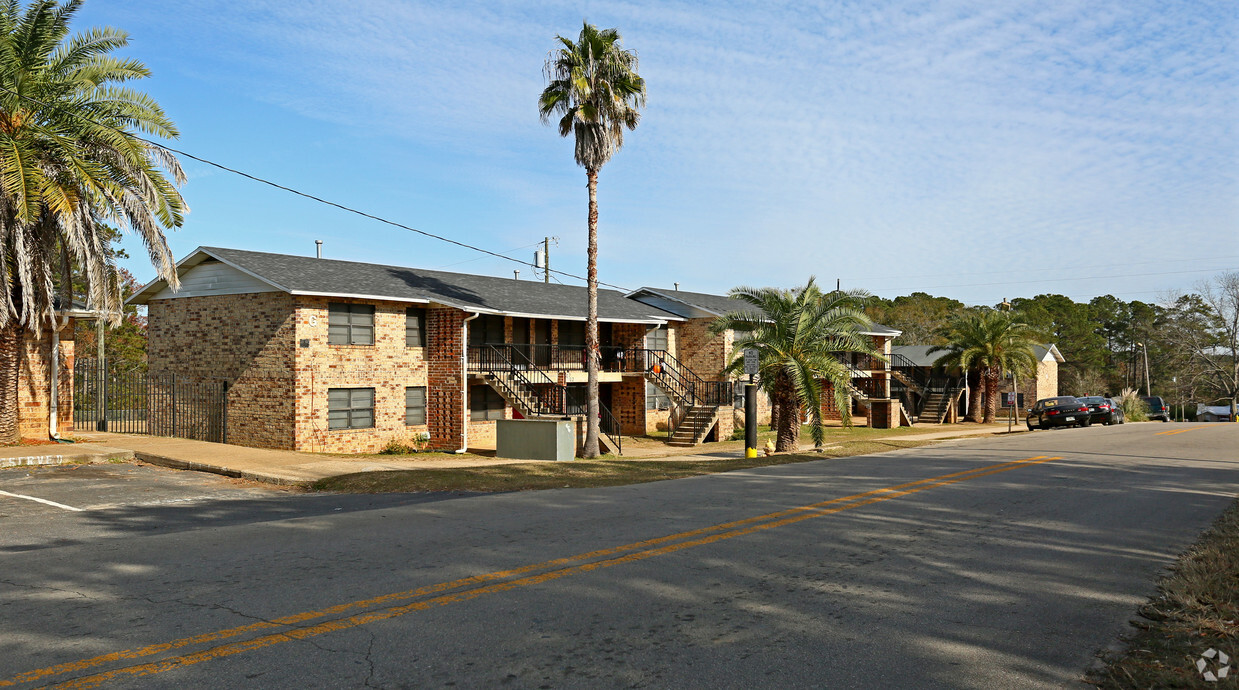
1134,409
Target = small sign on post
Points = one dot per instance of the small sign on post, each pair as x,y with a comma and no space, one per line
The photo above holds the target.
1010,398
751,363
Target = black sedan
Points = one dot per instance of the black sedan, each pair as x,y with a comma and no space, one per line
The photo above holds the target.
1099,408
1061,411
1117,416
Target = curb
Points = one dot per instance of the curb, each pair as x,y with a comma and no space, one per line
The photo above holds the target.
175,464
105,455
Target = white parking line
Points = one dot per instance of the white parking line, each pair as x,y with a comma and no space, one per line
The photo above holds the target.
42,500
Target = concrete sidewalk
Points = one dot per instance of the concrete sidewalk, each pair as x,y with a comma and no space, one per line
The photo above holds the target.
300,469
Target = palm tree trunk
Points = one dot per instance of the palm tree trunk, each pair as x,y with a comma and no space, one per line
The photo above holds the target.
10,362
991,375
974,398
788,432
591,322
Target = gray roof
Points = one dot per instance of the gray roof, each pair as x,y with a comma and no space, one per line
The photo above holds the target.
919,354
303,275
921,357
717,305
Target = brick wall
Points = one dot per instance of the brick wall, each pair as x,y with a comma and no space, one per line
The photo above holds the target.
388,366
830,411
628,398
703,353
246,339
34,384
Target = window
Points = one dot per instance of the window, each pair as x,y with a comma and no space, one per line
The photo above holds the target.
415,327
350,324
350,408
484,404
486,330
655,398
415,405
656,338
572,335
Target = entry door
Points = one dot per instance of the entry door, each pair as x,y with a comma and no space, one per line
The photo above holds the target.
520,339
542,342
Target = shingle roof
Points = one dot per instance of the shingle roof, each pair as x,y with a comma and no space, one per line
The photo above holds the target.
715,304
921,357
331,277
722,304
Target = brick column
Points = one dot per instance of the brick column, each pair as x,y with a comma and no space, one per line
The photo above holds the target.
445,405
829,409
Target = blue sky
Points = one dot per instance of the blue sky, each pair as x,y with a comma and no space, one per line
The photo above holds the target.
971,149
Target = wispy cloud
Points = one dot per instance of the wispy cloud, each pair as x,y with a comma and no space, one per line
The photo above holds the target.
947,133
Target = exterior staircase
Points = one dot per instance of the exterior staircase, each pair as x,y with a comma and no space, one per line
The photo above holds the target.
937,404
695,426
533,393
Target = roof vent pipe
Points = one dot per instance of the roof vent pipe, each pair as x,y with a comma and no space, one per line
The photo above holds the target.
516,274
677,287
318,246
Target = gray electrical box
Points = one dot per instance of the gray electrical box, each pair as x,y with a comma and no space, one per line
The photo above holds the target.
535,439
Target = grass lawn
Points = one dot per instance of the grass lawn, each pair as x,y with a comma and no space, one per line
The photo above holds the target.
580,473
1197,610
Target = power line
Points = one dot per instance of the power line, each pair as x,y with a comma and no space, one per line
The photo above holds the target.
299,193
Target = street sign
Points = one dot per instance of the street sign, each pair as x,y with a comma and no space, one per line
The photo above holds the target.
751,363
1010,399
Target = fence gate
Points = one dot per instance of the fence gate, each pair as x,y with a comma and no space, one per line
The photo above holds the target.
149,403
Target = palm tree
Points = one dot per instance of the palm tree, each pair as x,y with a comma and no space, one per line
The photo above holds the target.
70,163
989,342
595,88
798,335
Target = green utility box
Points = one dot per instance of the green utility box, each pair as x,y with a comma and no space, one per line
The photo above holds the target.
535,439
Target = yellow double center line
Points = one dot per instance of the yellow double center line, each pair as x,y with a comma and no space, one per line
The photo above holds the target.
1184,431
471,587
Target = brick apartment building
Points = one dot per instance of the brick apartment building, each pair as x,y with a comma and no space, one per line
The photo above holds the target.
341,356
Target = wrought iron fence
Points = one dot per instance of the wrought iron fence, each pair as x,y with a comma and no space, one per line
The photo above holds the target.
156,404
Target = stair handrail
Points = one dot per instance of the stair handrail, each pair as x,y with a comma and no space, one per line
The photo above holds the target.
916,374
541,394
498,361
607,420
680,381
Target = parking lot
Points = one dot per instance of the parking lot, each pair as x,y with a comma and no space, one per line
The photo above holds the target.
42,507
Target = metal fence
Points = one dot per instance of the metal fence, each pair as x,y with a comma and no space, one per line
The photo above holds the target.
156,404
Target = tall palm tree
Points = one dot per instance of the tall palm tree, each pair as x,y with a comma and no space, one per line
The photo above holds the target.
798,335
992,343
594,87
70,163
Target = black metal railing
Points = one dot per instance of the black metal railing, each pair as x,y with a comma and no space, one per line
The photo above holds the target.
576,402
677,380
916,376
525,384
151,403
512,369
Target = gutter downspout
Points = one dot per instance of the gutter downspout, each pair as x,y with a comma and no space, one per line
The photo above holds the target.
464,383
53,412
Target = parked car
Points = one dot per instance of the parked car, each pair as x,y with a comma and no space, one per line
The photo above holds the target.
1098,408
1117,416
1157,408
1063,410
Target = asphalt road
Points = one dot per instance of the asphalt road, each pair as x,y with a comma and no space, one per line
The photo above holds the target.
1010,567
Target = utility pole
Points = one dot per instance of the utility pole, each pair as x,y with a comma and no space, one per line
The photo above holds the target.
546,259
1148,389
